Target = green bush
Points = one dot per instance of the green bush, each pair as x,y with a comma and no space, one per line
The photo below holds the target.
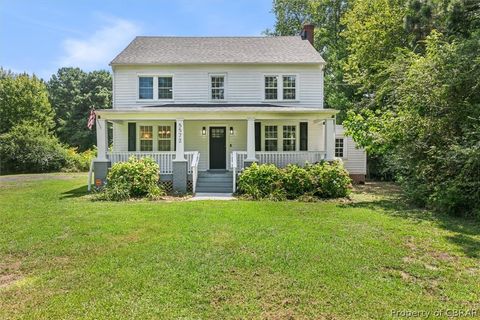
135,178
30,148
329,180
79,161
319,181
261,182
297,181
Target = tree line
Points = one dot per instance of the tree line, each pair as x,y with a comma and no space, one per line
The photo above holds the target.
44,123
405,75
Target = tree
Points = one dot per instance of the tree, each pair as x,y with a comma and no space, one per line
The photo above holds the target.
430,134
73,93
23,98
408,72
374,31
326,15
30,147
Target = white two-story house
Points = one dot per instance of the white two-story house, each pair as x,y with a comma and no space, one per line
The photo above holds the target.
206,107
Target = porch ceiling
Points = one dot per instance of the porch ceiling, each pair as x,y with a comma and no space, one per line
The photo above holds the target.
214,112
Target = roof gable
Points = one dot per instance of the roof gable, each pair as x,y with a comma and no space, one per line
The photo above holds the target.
218,50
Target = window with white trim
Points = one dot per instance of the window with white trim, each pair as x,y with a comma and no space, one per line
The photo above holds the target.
165,88
145,87
289,138
164,138
289,87
146,138
271,138
271,88
339,147
217,87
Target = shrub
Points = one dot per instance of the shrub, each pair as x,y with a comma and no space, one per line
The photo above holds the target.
115,192
262,181
318,181
29,148
79,161
329,180
455,189
297,181
135,178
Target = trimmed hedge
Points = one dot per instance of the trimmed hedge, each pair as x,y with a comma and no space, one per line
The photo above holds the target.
136,178
322,181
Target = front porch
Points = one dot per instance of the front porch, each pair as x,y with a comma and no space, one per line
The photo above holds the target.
192,141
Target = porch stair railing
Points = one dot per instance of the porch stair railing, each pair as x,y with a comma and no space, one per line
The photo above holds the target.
233,166
194,169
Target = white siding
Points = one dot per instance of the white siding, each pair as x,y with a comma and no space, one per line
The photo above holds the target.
244,84
354,159
195,141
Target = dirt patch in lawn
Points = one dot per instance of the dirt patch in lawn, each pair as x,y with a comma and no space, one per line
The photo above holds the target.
269,291
9,272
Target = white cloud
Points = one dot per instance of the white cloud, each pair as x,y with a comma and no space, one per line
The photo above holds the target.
101,47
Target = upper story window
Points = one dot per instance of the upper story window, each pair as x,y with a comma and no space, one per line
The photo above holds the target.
146,138
271,138
165,87
271,87
289,138
145,87
339,147
280,87
289,87
217,87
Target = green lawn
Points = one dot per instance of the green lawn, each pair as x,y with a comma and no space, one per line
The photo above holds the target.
64,256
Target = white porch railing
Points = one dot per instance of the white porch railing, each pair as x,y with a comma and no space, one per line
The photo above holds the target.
233,165
164,159
194,169
278,158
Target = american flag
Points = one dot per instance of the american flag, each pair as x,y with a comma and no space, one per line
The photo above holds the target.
91,119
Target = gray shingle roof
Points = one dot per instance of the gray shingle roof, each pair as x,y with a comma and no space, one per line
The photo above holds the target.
218,50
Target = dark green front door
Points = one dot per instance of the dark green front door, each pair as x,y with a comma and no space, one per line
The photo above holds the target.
218,148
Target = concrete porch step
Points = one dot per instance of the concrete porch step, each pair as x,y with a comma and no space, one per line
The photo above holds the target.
211,189
217,181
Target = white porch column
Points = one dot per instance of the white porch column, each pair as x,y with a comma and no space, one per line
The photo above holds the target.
180,145
250,140
102,139
330,139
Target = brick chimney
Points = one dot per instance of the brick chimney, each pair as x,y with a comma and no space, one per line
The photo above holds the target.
307,32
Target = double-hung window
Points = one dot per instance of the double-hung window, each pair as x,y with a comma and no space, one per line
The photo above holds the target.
145,87
146,138
289,138
164,138
339,147
217,87
165,88
271,138
289,88
271,87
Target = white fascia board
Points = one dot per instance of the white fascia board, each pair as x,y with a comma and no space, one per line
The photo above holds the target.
215,114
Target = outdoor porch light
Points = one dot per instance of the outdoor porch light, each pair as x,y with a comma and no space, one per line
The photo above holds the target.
204,131
231,131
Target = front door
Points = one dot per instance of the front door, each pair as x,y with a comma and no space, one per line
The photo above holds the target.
218,148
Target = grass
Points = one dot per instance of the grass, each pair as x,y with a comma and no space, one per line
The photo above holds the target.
63,256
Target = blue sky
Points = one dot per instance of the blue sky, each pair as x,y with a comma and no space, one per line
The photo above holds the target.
41,36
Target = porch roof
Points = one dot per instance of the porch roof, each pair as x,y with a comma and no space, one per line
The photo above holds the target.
215,111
